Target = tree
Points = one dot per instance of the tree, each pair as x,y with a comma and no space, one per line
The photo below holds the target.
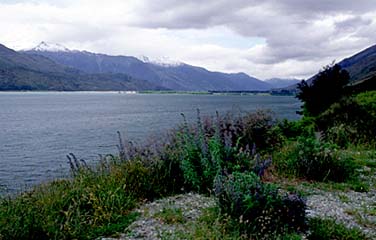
326,88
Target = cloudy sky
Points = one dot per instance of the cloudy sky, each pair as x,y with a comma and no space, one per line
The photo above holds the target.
264,38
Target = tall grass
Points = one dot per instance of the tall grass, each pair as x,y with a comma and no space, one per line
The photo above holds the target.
84,207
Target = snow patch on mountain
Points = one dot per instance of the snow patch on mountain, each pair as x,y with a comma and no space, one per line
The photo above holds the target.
50,47
161,61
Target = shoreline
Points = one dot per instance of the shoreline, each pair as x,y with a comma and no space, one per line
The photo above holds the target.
214,93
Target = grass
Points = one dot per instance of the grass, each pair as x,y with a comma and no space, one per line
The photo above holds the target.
324,229
343,198
88,206
170,215
363,216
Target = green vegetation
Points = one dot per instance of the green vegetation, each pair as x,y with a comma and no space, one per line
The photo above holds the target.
323,229
171,215
314,160
357,125
259,208
81,208
213,225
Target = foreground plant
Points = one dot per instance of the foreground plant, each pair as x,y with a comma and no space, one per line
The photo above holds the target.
82,208
258,207
314,160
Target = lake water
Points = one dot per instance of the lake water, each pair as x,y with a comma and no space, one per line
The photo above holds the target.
38,129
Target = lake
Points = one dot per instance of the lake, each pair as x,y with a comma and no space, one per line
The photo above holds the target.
38,129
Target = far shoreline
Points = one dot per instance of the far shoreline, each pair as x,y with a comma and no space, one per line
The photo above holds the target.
172,92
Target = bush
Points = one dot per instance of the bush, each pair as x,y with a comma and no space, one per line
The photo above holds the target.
225,143
350,121
291,130
159,158
368,101
313,160
259,208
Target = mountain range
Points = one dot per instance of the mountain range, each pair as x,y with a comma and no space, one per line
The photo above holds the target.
20,71
361,65
174,76
55,67
362,69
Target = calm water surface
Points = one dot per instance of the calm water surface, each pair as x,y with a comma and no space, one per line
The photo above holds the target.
38,130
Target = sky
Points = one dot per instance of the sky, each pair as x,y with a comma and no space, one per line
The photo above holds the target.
263,38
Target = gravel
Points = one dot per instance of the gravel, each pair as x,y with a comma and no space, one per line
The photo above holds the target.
351,208
150,226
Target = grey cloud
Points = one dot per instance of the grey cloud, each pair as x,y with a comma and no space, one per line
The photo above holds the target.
324,6
198,13
353,24
175,14
286,25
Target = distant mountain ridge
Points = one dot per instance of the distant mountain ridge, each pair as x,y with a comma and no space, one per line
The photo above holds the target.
19,71
361,65
55,67
177,76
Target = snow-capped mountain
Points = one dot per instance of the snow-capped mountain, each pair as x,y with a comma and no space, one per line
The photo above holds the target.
161,61
24,71
163,72
50,47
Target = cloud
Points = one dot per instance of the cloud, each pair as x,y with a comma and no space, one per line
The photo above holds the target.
292,28
271,38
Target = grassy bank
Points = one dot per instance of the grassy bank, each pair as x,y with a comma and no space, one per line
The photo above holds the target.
256,167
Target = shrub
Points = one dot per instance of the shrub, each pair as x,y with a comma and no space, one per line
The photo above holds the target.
243,131
259,208
313,160
225,143
367,100
341,134
351,120
293,129
259,130
159,158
